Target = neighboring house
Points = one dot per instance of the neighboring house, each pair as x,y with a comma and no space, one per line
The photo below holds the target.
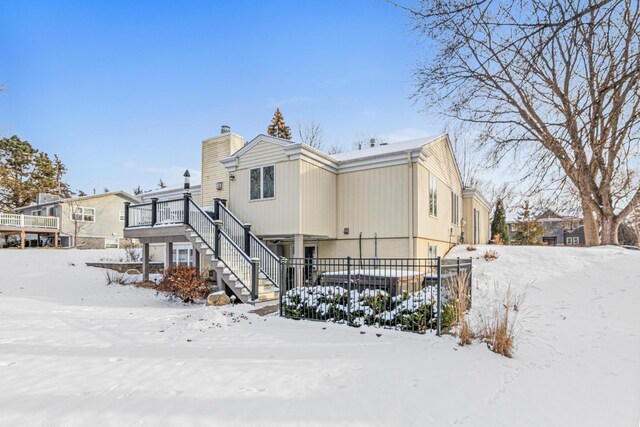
182,253
558,229
89,222
402,200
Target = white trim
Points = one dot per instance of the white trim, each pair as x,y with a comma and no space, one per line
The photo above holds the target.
261,168
476,194
83,214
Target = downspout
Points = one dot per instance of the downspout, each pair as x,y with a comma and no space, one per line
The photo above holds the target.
410,222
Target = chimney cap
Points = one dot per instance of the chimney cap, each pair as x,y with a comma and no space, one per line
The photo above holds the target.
225,129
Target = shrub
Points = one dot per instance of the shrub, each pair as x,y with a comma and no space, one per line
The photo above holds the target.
460,298
498,324
185,283
491,255
471,248
113,277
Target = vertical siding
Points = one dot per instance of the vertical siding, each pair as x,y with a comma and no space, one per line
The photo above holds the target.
374,201
214,150
272,217
317,200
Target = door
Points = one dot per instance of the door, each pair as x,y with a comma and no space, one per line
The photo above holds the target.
309,261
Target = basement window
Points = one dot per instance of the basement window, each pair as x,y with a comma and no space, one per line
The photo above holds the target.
262,183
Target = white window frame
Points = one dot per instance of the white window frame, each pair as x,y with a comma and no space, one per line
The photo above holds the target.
569,240
262,168
121,215
576,240
455,208
83,213
433,192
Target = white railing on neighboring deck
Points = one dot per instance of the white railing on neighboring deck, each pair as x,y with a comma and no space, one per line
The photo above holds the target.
28,221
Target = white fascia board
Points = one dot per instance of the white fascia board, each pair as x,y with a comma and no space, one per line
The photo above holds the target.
230,163
477,195
300,151
384,160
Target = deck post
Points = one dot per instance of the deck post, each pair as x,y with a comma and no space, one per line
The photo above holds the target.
145,262
21,220
126,214
348,290
217,224
247,239
55,239
187,197
196,256
22,234
154,211
255,277
216,208
168,255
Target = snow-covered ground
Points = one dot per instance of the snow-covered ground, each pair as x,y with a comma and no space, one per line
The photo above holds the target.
75,352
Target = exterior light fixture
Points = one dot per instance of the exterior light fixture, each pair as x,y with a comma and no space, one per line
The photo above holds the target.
219,185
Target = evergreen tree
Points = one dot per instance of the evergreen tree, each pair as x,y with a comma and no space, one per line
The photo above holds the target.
528,230
499,224
137,191
161,184
26,171
278,128
81,193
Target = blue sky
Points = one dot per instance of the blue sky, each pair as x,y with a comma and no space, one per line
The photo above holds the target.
124,92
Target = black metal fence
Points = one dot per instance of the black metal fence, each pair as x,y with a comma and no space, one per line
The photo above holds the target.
404,294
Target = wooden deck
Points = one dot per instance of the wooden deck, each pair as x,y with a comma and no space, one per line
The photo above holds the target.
21,225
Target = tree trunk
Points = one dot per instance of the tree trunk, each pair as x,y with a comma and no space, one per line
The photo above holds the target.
591,234
609,230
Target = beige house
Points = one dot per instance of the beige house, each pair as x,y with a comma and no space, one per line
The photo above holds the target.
88,222
273,198
401,200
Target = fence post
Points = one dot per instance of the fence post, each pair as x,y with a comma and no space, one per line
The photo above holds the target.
470,279
348,290
255,277
216,237
247,239
458,269
154,211
187,197
282,287
126,214
439,292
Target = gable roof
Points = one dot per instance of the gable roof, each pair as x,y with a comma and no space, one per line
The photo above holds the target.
381,150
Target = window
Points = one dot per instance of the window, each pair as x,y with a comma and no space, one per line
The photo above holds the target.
576,240
455,208
569,240
433,195
121,215
79,213
262,183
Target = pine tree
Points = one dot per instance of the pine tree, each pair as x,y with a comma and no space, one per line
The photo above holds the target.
137,191
499,224
278,128
161,184
25,172
528,230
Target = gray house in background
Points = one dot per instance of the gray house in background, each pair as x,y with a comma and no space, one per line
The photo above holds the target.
559,230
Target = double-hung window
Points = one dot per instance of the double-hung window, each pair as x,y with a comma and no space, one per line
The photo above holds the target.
80,213
121,215
262,183
433,195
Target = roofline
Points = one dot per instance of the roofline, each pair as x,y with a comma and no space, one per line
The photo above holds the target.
169,189
123,194
476,194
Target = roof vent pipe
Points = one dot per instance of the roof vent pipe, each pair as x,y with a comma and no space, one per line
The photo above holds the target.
225,129
372,142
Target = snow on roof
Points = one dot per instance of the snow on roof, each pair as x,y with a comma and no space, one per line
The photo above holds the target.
410,145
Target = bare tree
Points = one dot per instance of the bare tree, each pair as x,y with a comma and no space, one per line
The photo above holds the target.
556,82
77,219
311,133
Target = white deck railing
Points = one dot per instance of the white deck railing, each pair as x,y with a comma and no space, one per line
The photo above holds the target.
28,221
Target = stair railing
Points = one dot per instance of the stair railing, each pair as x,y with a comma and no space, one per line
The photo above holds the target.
252,245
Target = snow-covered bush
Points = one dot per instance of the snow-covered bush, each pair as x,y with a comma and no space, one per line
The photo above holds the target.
416,311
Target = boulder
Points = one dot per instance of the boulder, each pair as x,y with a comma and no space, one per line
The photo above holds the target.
218,298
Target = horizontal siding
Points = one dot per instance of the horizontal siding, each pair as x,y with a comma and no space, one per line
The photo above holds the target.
213,171
374,201
261,154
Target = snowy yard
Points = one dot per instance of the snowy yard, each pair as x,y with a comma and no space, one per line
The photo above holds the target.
75,352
